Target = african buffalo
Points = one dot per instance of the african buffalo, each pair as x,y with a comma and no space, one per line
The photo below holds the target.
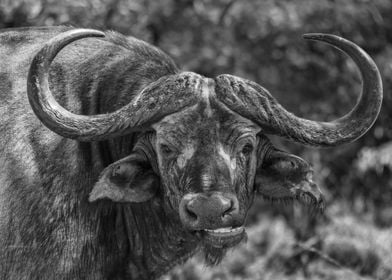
117,165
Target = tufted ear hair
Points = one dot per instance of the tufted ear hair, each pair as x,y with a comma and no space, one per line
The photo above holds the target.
130,179
283,176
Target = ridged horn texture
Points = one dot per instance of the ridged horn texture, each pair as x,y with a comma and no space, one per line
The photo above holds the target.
256,103
165,96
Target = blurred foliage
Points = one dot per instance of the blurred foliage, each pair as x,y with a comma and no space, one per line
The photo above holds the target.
261,41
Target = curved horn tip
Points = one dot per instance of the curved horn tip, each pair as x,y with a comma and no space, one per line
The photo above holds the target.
57,43
328,38
91,32
319,36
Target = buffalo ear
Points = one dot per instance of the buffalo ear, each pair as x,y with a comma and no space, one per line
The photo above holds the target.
130,179
284,176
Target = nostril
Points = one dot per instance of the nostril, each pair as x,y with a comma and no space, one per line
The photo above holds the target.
200,211
225,203
229,209
191,214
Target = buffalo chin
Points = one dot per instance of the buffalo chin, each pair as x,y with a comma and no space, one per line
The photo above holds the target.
217,242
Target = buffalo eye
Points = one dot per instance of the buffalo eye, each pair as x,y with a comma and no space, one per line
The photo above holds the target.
166,150
247,149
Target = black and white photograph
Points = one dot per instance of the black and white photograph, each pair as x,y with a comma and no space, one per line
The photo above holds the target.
195,140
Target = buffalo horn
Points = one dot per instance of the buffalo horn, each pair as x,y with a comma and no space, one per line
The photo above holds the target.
256,103
165,96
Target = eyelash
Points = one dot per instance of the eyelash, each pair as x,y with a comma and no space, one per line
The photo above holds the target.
166,149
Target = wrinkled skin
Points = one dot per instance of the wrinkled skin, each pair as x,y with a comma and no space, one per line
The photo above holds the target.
210,150
207,148
147,186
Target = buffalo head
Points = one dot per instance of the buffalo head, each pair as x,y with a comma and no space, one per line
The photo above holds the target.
202,146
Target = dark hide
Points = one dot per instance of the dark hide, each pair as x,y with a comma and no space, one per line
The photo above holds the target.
131,227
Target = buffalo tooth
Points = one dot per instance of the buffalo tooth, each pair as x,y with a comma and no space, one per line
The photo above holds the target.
224,230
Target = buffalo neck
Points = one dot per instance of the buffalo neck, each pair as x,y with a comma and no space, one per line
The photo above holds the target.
141,240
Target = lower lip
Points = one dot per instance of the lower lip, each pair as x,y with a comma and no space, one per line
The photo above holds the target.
224,237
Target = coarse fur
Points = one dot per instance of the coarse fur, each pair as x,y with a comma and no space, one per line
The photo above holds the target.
46,179
135,205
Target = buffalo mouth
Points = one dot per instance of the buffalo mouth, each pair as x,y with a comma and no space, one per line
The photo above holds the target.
223,237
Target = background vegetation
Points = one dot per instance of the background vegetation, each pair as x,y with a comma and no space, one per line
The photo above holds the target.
261,41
